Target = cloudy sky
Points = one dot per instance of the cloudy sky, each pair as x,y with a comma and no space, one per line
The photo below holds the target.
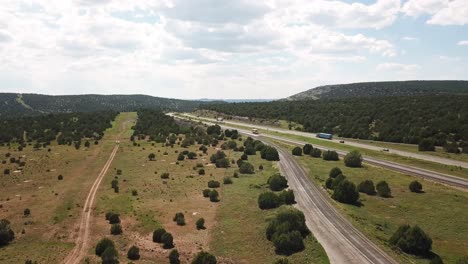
226,48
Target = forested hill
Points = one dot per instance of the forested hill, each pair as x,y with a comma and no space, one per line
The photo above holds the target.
11,104
384,89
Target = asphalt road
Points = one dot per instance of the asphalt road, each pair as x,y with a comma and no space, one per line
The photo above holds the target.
406,169
350,143
342,242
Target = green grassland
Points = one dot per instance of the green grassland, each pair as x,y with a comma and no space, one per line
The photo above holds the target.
441,211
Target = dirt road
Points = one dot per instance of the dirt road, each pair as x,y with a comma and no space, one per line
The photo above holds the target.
81,244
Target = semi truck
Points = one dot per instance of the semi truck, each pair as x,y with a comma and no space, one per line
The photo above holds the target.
325,135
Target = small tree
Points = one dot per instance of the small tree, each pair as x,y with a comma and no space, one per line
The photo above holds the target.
201,172
367,187
60,177
315,153
288,243
157,235
246,168
167,240
206,193
134,192
179,218
6,234
6,171
214,196
307,149
200,224
180,157
192,155
204,258
353,159
287,197
102,245
277,182
174,257
412,240
110,256
297,151
116,229
330,155
415,186
227,180
213,184
113,218
244,157
87,144
426,144
383,189
27,212
133,253
335,172
151,156
222,163
346,192
268,200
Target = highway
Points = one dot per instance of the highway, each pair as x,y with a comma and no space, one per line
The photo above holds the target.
406,169
350,143
342,242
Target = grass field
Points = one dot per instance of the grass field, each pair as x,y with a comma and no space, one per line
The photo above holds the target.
441,211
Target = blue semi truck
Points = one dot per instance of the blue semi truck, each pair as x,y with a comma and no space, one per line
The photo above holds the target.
325,135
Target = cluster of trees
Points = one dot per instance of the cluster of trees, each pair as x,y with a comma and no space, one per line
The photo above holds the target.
163,237
105,249
114,221
156,125
212,194
65,128
266,152
406,119
412,240
287,231
270,200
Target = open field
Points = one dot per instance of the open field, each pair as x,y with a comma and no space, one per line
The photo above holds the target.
440,210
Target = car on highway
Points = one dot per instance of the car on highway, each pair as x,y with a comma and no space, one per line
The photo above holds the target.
386,150
341,141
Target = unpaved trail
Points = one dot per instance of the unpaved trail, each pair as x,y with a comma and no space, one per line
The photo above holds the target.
81,243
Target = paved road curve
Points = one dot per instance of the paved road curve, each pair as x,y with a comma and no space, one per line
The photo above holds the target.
340,239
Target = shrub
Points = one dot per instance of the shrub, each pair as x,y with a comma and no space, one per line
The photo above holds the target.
288,243
214,196
367,187
426,144
218,155
268,200
297,151
415,186
260,167
119,172
307,149
110,256
206,193
116,229
157,235
165,175
330,155
200,224
179,218
335,172
201,172
227,180
281,261
277,182
411,240
102,245
345,192
244,157
383,189
353,159
337,180
192,155
287,197
213,184
180,157
167,240
27,212
6,171
114,183
329,183
316,153
60,177
246,168
133,253
6,234
151,156
204,258
269,153
113,218
222,163
174,257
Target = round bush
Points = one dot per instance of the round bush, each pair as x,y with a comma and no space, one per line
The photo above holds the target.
415,186
246,168
214,196
297,151
6,234
110,256
412,240
227,180
335,172
102,245
204,258
268,200
157,235
353,159
346,192
167,240
330,155
206,193
307,149
116,229
315,153
213,184
367,187
277,182
288,243
174,257
133,253
383,189
200,224
287,197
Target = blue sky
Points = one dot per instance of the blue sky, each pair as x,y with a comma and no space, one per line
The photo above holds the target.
226,49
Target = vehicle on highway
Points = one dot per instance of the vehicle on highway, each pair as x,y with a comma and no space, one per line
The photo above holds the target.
255,131
325,135
341,141
385,149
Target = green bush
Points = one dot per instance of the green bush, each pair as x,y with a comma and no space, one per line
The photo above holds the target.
329,183
426,144
268,200
165,175
337,180
222,163
227,180
383,189
269,153
102,245
412,240
134,193
214,196
167,240
174,257
307,149
27,212
133,253
179,218
110,256
6,233
206,193
157,235
200,224
201,172
367,187
246,168
335,172
213,184
330,155
281,261
277,182
315,153
287,197
415,186
288,243
204,258
116,229
113,218
297,151
180,157
346,192
353,159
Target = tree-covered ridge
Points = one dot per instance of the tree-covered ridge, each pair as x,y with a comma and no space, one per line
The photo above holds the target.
381,89
12,104
65,128
395,119
155,124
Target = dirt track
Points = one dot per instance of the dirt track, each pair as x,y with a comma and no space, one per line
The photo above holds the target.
81,243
